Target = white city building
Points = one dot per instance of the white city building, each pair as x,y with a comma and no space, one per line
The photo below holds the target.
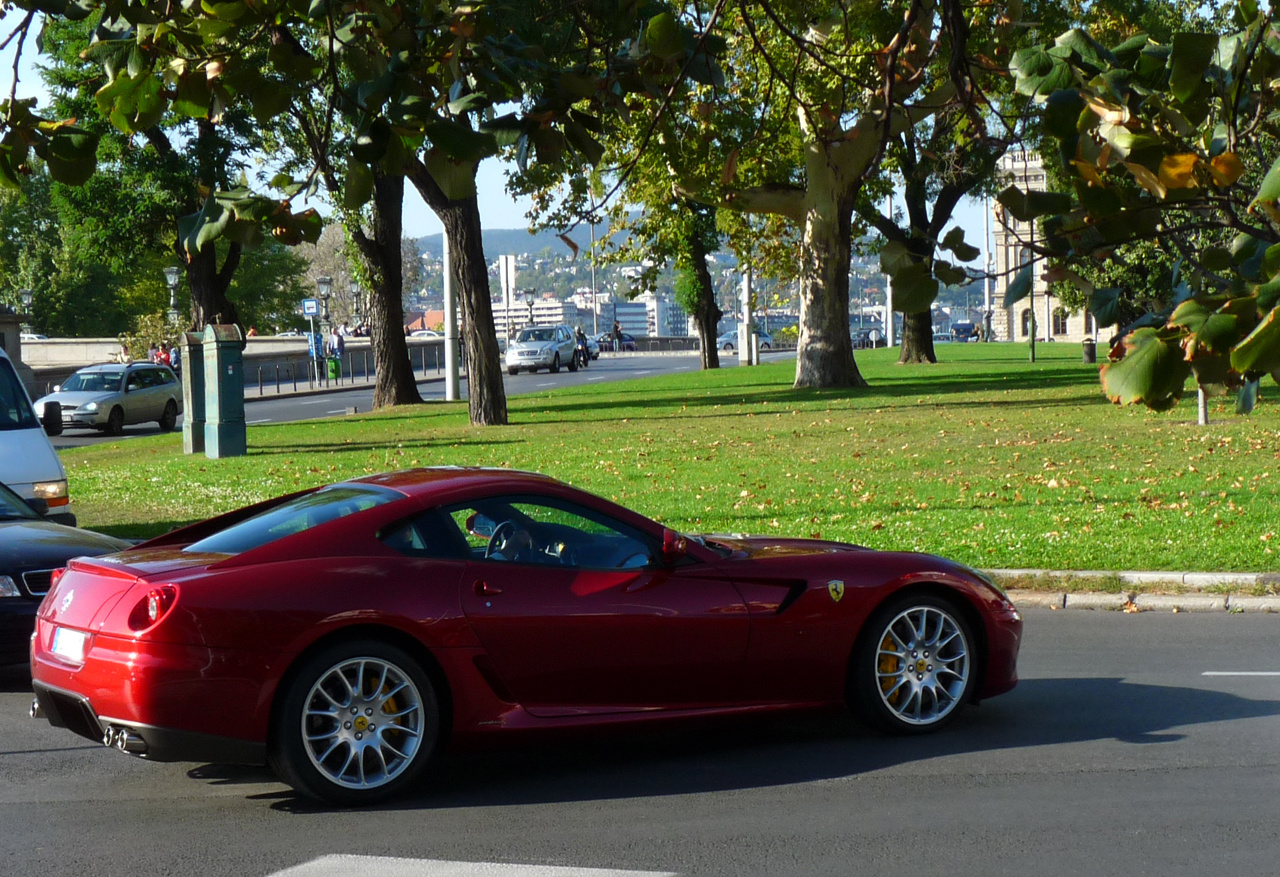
1024,169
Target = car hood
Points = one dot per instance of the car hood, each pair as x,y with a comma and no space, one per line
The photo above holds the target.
530,345
768,546
76,399
27,544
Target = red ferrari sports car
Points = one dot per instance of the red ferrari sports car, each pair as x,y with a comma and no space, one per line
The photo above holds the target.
344,634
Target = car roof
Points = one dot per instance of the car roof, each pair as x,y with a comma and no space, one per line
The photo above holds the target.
431,480
115,367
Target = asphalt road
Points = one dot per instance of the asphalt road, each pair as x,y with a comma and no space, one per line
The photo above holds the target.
331,404
1115,755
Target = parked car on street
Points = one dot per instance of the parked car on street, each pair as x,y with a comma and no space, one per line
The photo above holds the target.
606,342
107,397
538,347
31,548
729,340
426,333
345,634
867,337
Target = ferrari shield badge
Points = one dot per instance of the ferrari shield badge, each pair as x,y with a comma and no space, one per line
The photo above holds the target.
835,588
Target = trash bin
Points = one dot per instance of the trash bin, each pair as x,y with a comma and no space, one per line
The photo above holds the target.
335,368
1088,351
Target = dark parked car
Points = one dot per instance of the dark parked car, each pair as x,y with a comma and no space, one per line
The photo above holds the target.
31,548
866,337
346,634
605,340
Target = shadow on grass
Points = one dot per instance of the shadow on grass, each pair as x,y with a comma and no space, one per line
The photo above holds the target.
388,444
720,756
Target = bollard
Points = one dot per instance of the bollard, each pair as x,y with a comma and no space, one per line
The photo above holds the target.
366,366
259,380
1088,351
437,360
293,371
277,379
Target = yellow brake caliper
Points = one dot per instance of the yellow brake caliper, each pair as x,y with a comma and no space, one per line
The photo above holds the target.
889,664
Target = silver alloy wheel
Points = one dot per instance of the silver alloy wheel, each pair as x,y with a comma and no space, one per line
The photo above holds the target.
362,723
922,665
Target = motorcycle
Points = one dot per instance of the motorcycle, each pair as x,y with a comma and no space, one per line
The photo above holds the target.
582,353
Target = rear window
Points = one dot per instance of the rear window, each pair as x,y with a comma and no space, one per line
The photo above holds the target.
294,516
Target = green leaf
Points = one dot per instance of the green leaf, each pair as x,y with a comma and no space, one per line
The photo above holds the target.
1038,73
664,37
1083,49
1260,351
1151,371
949,274
1104,304
1189,62
506,130
71,155
358,187
581,140
1062,112
954,241
194,96
460,142
1269,193
914,289
1027,206
457,179
894,257
1020,288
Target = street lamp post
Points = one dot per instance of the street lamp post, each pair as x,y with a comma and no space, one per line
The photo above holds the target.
528,299
27,297
324,285
172,275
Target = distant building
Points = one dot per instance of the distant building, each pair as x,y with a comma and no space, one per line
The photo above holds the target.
1024,169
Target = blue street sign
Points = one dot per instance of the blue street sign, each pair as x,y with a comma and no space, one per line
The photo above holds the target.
311,307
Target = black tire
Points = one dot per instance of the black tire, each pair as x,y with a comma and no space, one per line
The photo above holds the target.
728,348
410,736
513,371
895,673
555,364
573,362
765,346
169,419
115,421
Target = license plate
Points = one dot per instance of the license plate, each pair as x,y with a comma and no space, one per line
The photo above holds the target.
69,644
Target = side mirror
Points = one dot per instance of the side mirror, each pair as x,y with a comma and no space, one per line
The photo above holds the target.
674,547
51,418
480,525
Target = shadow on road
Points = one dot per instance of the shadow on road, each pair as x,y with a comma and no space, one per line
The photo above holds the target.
721,756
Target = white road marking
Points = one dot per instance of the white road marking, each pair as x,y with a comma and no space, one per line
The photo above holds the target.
547,384
262,420
314,402
601,378
646,371
684,368
378,866
1241,673
339,411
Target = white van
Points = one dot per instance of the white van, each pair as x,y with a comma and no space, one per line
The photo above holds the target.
29,466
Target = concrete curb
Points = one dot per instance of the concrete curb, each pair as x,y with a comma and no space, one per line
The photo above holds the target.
1131,603
1188,580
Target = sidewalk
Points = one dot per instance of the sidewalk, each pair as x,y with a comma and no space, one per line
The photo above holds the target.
1170,591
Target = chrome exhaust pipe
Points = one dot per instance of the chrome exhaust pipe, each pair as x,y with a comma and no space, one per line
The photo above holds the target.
35,712
124,740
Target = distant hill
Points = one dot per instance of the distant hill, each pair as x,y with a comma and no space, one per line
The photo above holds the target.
500,241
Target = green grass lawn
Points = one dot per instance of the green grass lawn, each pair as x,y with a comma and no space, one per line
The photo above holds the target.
985,458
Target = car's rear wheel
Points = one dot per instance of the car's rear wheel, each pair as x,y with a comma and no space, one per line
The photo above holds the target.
359,722
169,419
914,668
115,421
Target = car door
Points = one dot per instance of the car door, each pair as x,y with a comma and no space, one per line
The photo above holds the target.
137,402
585,617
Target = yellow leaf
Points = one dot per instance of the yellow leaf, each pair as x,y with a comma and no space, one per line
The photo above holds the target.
1146,179
1089,172
1226,169
1178,171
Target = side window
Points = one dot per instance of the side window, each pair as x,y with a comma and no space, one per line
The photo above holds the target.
133,380
550,532
428,535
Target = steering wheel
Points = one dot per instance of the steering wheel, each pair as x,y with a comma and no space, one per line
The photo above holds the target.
501,534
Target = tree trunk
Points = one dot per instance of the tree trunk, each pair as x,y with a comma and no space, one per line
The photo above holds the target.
486,395
209,285
917,338
824,354
706,313
394,383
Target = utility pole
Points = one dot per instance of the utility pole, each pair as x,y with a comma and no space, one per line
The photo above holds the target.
451,386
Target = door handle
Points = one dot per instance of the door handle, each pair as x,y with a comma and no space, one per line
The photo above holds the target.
484,589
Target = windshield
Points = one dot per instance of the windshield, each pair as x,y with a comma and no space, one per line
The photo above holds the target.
93,382
294,516
542,333
15,407
13,506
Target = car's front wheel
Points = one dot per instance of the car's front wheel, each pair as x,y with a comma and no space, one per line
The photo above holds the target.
555,364
359,722
169,419
513,371
728,348
115,421
914,668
